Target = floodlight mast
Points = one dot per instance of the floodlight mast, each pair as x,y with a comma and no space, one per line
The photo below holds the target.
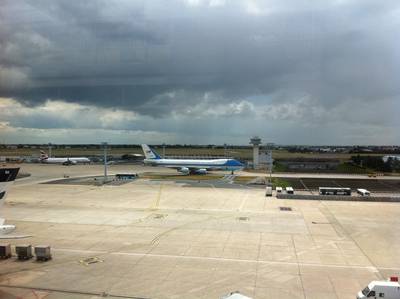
270,146
104,144
50,147
163,147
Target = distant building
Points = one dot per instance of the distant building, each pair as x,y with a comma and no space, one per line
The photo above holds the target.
309,164
394,157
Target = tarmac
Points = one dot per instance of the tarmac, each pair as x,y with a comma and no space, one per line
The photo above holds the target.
160,239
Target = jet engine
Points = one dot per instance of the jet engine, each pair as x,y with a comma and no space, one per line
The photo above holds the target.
69,162
184,170
201,171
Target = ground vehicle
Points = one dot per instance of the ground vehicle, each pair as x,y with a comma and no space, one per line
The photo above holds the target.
279,189
289,190
363,192
334,191
381,289
268,191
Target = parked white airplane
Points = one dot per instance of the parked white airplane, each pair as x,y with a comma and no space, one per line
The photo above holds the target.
193,166
44,158
7,177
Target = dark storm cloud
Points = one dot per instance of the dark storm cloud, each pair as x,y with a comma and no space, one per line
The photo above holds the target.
161,58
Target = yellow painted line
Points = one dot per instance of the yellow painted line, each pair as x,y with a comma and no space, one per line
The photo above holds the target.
156,203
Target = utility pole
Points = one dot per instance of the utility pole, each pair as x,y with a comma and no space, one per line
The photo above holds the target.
104,144
270,160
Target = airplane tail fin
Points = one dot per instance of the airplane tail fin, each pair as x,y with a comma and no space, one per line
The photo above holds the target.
149,153
7,177
43,156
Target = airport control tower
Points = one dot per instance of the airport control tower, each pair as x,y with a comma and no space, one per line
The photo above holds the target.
255,141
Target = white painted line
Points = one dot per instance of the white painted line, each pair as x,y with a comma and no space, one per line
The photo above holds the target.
245,197
370,268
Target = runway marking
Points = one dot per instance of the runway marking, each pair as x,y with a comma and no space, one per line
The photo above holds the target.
156,203
66,291
245,197
189,257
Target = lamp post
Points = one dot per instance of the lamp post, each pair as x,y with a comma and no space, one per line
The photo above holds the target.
50,146
270,146
104,144
163,150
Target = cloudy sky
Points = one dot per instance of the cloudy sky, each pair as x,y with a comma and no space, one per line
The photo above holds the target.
200,71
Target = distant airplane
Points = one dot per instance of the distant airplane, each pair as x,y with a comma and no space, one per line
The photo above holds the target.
7,177
44,158
190,166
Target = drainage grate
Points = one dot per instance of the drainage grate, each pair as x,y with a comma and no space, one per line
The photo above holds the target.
285,208
243,218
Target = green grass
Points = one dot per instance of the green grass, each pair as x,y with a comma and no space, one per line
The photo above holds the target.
278,167
280,182
350,168
275,181
244,179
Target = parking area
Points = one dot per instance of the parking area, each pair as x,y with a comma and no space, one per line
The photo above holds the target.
374,185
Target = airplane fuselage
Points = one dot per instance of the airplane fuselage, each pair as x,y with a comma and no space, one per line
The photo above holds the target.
213,164
186,166
73,160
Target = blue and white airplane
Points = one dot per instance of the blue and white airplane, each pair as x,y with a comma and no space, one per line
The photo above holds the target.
190,166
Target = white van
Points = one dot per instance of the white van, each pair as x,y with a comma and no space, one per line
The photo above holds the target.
381,289
278,189
268,191
289,190
363,192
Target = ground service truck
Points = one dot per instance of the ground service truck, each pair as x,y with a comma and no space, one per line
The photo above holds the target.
381,289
